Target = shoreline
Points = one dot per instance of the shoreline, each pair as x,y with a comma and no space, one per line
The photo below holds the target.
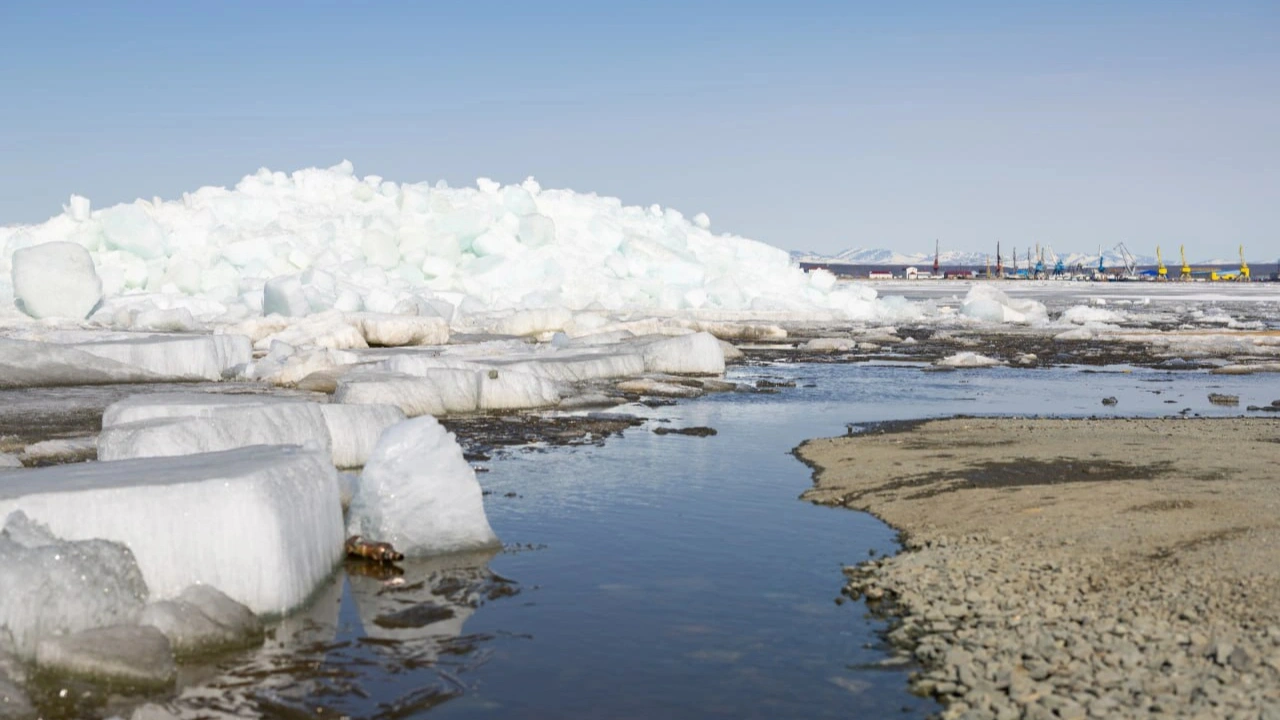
1073,568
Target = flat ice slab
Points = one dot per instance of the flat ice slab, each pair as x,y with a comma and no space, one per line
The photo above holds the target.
165,424
97,358
262,524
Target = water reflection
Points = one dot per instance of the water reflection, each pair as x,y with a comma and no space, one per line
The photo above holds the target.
374,642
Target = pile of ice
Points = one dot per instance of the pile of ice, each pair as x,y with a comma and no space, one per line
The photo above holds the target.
418,493
320,239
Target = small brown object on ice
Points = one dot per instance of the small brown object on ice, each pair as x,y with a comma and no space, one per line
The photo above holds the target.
380,552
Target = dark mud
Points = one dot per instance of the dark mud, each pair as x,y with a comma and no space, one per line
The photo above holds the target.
932,345
481,436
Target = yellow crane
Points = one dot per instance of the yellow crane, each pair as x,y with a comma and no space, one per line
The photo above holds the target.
1244,267
1162,272
1186,269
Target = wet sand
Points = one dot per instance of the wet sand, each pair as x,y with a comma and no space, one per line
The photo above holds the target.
1074,568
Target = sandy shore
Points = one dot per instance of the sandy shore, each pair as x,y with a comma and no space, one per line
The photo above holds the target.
1075,568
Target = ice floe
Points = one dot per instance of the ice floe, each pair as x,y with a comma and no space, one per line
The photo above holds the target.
261,524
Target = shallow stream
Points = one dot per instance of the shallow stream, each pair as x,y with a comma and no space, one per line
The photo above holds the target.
659,575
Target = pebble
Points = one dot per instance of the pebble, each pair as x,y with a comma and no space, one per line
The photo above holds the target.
1004,635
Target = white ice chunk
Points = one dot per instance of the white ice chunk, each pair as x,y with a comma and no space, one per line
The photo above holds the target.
175,357
134,655
438,392
696,354
399,330
54,586
967,359
261,524
9,461
418,493
1083,315
131,229
583,367
829,345
533,322
650,386
284,296
510,390
224,428
56,280
355,429
202,619
986,303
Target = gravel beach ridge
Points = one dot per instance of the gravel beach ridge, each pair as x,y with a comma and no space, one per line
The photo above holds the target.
1074,568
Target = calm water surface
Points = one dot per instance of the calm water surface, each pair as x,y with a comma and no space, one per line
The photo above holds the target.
662,575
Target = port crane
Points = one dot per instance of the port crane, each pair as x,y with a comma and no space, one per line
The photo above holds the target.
1186,269
1162,272
1059,267
1130,263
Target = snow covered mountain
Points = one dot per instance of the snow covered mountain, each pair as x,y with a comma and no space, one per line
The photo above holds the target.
880,256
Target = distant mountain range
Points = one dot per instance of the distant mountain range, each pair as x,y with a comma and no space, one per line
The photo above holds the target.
879,256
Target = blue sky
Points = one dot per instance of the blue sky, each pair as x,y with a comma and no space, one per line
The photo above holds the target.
809,125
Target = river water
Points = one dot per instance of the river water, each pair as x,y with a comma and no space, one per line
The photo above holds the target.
658,575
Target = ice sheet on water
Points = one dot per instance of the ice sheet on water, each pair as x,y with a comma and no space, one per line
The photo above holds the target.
418,493
1084,315
968,359
262,524
53,586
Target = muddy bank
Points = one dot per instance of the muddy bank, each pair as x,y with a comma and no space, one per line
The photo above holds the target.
1074,568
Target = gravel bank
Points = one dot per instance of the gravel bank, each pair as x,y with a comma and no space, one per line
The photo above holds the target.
1074,568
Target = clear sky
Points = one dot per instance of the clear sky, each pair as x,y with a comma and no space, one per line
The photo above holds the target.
809,125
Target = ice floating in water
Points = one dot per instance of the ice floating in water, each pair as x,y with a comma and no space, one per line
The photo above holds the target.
984,302
1084,315
262,524
203,620
137,656
967,360
55,586
419,494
